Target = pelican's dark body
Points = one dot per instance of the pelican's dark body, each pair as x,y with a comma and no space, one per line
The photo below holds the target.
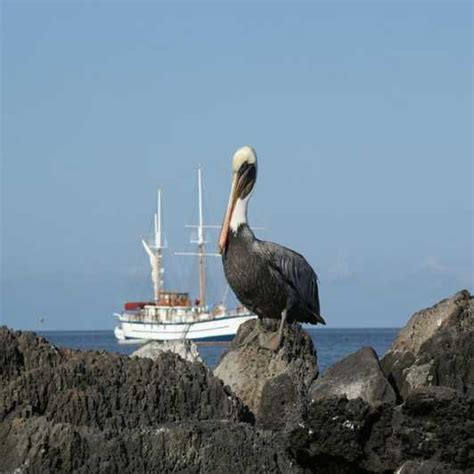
268,278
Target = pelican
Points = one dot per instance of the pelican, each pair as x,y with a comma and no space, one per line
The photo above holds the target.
269,279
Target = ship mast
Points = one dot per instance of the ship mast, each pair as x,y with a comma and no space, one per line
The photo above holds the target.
155,253
200,243
201,253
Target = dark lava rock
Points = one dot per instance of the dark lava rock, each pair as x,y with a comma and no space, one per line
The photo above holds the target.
282,404
22,351
426,467
332,435
358,375
434,424
70,411
272,384
104,412
437,424
38,445
435,348
112,391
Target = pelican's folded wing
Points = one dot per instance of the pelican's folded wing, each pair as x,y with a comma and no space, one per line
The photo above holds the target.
296,271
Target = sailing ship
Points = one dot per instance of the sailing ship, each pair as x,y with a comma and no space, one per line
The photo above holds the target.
172,315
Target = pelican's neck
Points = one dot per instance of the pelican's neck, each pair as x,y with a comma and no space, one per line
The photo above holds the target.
239,215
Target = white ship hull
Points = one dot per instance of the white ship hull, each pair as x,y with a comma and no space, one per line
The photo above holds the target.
219,329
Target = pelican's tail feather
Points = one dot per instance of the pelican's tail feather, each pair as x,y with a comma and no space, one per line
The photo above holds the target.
319,319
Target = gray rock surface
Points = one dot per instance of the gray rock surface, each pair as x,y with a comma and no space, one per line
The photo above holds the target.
435,348
38,445
24,351
71,411
264,379
434,424
426,467
111,391
186,349
357,375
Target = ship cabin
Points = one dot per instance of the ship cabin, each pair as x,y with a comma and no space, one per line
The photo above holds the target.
173,299
169,299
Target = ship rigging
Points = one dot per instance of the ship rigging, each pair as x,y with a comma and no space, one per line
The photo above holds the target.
172,315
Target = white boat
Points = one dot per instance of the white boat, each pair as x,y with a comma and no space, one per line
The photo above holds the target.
172,315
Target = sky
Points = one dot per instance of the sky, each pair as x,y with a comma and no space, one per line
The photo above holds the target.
361,114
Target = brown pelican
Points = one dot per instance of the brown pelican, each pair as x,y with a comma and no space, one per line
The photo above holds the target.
269,279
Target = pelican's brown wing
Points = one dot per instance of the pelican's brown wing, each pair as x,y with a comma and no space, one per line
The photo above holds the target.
297,273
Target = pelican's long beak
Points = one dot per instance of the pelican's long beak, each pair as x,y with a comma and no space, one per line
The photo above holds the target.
228,215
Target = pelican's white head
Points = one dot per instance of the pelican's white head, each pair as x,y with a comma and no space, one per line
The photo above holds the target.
246,154
244,176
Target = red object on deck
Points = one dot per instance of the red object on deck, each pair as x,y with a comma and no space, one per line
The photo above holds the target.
132,305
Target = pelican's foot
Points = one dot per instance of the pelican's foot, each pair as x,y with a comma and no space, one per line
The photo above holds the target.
270,341
252,335
248,339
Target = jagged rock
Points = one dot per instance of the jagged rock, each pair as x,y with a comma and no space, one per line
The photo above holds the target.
100,412
112,391
357,375
39,445
186,349
331,436
22,351
434,424
426,467
272,384
63,410
435,348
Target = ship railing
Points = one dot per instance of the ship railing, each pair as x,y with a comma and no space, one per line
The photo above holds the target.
192,315
233,312
170,316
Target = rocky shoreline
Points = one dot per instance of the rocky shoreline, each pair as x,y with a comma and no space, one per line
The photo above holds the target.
412,411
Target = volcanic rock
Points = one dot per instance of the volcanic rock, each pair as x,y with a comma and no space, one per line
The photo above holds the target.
186,349
38,445
357,375
434,424
104,412
426,467
106,390
272,384
331,435
22,351
71,411
435,348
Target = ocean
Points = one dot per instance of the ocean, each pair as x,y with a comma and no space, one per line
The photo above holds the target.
331,344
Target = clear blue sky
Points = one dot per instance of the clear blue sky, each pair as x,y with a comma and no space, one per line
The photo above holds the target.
361,114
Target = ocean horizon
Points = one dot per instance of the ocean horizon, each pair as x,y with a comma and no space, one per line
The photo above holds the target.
332,344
